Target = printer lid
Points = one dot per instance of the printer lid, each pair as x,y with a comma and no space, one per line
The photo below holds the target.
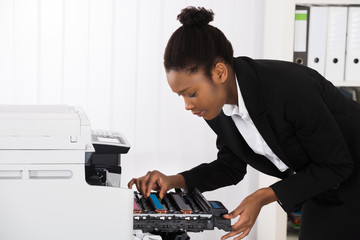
43,127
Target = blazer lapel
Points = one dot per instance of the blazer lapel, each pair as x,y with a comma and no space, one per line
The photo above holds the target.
250,89
225,128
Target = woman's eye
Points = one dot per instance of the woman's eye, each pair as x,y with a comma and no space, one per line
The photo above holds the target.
193,94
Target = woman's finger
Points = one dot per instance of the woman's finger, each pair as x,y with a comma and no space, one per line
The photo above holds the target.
131,183
137,183
231,234
242,235
151,183
163,189
236,212
143,182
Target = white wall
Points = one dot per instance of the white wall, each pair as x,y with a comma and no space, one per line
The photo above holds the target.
107,55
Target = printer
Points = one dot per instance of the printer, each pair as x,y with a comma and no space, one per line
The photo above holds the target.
58,178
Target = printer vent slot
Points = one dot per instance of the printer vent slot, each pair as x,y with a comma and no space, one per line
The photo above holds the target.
50,174
10,174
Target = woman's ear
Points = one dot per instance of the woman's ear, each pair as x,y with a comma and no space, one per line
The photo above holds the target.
220,73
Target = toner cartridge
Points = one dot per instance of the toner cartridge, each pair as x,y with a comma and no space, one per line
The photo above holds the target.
178,212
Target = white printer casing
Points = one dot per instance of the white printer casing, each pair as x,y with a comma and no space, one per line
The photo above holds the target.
43,191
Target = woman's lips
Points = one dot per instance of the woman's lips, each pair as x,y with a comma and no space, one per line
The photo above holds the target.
199,114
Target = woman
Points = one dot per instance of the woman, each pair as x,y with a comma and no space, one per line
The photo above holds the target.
281,118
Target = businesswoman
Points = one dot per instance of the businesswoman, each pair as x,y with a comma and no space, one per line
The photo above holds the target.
283,119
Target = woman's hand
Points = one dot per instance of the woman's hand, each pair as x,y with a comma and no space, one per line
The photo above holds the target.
157,181
248,210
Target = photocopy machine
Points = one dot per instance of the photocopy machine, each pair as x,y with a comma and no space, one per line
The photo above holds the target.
53,184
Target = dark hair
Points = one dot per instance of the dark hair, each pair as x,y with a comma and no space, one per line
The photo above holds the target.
196,44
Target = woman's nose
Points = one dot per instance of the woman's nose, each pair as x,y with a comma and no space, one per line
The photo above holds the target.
188,104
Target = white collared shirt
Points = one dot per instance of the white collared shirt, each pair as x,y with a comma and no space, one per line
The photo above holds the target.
248,130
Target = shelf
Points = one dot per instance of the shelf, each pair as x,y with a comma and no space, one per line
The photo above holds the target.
328,2
292,233
346,83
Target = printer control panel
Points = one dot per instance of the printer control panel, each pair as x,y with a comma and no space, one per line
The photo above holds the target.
106,141
103,167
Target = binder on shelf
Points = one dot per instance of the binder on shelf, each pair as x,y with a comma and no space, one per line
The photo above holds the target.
348,92
300,34
352,63
335,46
317,38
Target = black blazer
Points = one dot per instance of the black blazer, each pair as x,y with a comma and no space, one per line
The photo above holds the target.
304,119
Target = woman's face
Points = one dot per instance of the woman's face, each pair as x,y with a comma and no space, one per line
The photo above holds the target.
203,96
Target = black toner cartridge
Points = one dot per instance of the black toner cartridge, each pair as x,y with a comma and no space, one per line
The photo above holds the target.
178,212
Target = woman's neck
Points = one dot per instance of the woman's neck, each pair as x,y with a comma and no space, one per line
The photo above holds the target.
232,88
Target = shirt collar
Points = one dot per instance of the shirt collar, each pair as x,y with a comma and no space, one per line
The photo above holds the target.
240,108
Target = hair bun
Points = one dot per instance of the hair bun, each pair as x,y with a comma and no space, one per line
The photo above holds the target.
195,16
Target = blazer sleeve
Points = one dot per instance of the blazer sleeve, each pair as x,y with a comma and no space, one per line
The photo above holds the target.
319,134
226,170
